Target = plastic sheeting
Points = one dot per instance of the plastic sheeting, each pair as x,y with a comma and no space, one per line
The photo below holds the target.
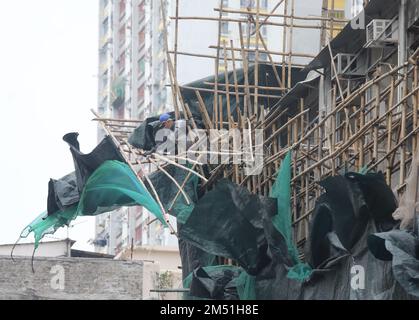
111,186
402,249
65,192
143,136
345,268
62,193
86,164
266,79
281,190
409,203
227,222
349,203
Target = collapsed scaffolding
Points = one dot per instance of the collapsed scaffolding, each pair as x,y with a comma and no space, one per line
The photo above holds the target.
327,126
372,126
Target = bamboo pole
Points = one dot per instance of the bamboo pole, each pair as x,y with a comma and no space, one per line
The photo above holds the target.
172,179
277,15
202,18
236,83
256,103
227,87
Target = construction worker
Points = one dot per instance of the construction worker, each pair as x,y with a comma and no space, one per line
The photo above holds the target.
167,137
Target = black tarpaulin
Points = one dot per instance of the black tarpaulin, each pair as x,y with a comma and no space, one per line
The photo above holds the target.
402,249
143,136
62,193
349,203
266,79
227,222
86,164
215,283
348,267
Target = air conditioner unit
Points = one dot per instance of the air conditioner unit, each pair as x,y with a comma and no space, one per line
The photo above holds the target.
382,32
348,65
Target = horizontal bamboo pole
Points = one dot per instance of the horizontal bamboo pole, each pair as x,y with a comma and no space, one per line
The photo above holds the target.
274,53
277,24
278,15
250,86
207,56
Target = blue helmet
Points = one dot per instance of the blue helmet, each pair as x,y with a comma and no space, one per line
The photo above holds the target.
165,117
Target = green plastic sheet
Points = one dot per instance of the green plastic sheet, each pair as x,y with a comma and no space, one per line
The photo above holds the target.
112,185
281,190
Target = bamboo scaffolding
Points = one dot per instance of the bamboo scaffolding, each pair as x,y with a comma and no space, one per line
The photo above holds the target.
378,133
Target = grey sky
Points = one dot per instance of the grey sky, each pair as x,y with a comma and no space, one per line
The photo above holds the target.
48,67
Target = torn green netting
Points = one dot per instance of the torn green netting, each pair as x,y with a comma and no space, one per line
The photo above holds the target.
246,286
281,190
45,224
111,186
364,170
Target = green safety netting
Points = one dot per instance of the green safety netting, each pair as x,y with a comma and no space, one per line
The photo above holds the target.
111,186
281,190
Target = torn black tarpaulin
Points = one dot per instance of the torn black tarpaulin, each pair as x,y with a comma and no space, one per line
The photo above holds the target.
86,164
217,283
341,273
62,193
349,203
227,222
402,248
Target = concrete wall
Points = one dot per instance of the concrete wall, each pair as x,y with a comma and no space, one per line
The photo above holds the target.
70,278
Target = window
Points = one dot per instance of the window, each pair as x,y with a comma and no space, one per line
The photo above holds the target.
224,27
245,3
141,92
141,66
105,26
122,36
141,38
121,62
264,4
122,8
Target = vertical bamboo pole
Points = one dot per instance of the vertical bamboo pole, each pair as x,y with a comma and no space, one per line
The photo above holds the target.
236,82
375,128
390,131
217,59
284,44
362,137
227,87
333,129
256,90
415,108
245,58
291,44
403,130
175,65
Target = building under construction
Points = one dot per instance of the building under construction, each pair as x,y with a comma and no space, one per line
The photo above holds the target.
337,188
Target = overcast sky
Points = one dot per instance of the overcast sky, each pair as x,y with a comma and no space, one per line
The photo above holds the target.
48,84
